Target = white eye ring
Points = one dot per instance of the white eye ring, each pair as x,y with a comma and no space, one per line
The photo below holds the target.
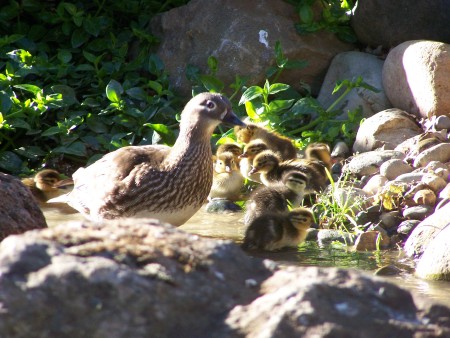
210,104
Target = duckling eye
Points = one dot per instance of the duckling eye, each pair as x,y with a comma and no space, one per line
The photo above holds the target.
210,104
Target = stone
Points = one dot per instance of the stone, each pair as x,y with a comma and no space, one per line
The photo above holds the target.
410,177
435,182
421,236
295,304
425,197
388,270
438,168
375,184
340,151
415,77
439,152
369,163
393,168
222,206
327,236
190,34
390,219
350,65
442,122
406,21
418,212
19,211
386,129
407,226
372,240
445,193
434,264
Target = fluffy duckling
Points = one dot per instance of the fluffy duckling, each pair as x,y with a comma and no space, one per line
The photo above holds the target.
271,169
233,148
227,179
275,142
275,231
320,152
47,184
167,183
276,198
251,149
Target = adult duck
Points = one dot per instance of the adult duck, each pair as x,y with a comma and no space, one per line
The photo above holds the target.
167,183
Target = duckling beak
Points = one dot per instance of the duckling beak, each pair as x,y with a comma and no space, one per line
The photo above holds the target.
253,171
232,119
244,155
228,169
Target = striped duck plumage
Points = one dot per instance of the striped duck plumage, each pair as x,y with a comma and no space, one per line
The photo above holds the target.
274,231
276,198
279,144
47,184
167,183
227,179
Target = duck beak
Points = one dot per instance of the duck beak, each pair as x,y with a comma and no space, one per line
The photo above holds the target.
232,119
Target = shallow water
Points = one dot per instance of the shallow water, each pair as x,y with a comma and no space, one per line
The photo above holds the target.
230,226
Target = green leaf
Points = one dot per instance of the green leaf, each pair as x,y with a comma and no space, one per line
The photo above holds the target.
278,87
64,55
156,86
250,109
306,14
29,88
52,131
89,56
79,37
213,64
70,8
276,106
138,93
10,162
251,93
5,102
68,93
92,26
212,83
167,135
76,148
114,91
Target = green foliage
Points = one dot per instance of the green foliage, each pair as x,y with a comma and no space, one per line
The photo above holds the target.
73,83
334,17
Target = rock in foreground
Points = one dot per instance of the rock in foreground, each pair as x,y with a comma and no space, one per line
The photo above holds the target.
142,278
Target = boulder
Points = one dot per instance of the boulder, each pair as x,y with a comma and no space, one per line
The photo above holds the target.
369,163
391,169
386,129
350,65
19,211
141,278
424,233
389,23
435,261
415,77
439,152
241,35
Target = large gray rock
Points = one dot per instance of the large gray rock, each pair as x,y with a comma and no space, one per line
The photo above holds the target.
415,77
19,211
137,278
242,36
386,129
424,233
389,23
435,261
350,65
369,163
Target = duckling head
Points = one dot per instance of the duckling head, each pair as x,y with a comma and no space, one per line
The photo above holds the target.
319,151
225,163
244,134
206,111
301,218
229,147
265,162
295,181
253,148
47,180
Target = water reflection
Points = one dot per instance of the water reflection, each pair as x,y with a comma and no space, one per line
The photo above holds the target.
230,226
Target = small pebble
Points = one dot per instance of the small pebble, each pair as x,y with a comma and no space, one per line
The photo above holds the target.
419,212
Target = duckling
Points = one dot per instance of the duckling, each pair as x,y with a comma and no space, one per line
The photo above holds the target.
275,231
167,183
233,148
251,149
271,168
276,198
320,152
274,141
227,179
47,184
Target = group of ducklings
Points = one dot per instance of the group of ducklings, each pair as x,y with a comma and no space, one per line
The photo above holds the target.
273,216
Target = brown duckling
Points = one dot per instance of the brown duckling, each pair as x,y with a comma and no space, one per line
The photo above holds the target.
251,149
275,231
167,183
227,179
274,141
271,168
320,152
233,148
276,198
47,184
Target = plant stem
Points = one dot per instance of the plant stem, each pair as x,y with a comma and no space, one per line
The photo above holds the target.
339,99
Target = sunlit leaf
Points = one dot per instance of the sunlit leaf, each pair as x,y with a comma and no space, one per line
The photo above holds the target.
114,91
251,93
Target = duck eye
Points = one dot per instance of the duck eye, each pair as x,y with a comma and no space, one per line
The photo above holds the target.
210,104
